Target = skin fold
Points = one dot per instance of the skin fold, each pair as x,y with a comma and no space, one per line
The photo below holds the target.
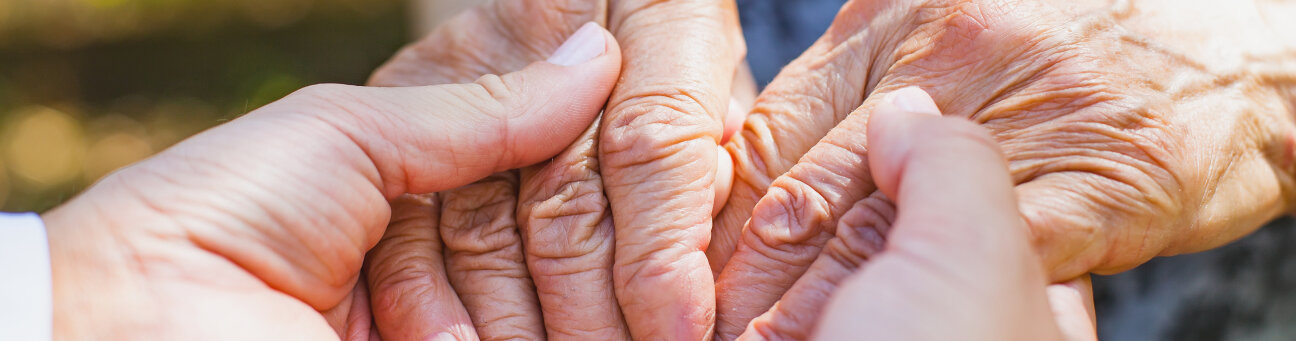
1116,161
958,264
259,228
658,157
1132,130
549,270
510,272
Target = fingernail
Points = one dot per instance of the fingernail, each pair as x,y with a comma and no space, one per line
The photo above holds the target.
587,43
913,99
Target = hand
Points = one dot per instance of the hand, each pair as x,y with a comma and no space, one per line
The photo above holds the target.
501,276
1123,145
521,283
257,229
957,264
661,168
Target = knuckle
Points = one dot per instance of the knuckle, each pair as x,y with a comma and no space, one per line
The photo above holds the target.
401,275
862,231
498,90
785,224
479,218
569,223
651,270
562,209
392,293
645,128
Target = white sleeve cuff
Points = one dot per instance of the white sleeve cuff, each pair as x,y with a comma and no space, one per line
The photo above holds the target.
26,292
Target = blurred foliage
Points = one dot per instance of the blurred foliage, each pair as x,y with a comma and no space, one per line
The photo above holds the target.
88,86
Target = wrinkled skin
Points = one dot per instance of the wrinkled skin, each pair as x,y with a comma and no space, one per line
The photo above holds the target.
469,266
958,264
659,159
258,228
549,271
1130,132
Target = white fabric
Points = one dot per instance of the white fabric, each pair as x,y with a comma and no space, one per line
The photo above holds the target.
26,292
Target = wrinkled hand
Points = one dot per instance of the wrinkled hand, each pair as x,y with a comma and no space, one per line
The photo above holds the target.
957,264
257,229
662,170
1129,132
548,270
460,261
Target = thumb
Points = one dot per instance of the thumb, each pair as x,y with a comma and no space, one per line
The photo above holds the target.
431,138
957,251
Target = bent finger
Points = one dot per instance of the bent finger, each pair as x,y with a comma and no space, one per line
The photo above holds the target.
567,234
658,157
485,261
411,296
860,236
790,225
808,98
958,244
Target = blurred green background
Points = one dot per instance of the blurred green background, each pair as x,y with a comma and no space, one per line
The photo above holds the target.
88,86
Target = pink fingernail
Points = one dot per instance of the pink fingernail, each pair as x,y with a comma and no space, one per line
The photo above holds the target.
913,99
587,43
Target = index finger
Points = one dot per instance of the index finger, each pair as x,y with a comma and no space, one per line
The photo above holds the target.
658,157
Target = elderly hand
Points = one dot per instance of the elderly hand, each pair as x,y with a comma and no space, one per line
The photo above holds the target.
547,271
257,229
1150,129
459,261
957,264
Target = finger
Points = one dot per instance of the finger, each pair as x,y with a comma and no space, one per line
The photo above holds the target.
485,261
567,234
493,38
790,225
1073,309
431,138
352,318
412,297
743,94
724,180
958,245
740,102
860,236
657,152
808,98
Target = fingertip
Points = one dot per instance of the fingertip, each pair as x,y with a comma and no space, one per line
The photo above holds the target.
1073,310
893,128
723,180
733,119
913,99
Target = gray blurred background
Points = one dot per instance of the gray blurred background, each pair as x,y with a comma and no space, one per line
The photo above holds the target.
87,86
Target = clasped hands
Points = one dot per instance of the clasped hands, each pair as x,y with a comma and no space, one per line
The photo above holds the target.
1078,137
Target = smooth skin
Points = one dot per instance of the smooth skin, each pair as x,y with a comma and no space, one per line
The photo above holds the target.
258,228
